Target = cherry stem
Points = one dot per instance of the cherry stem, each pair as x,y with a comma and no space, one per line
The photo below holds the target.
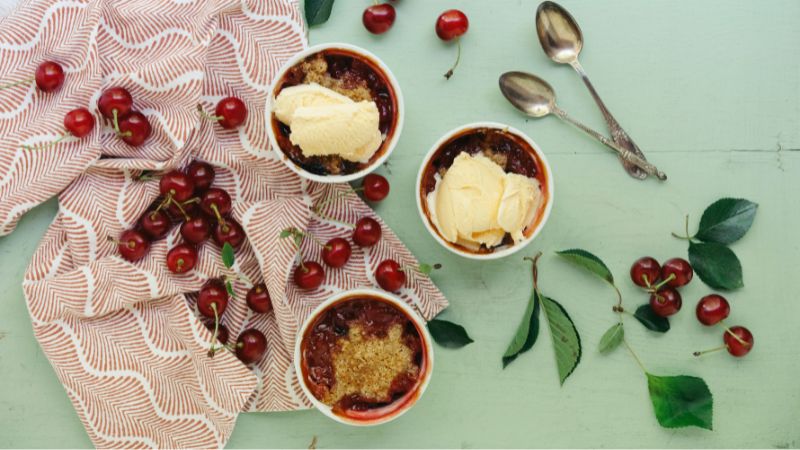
167,200
735,336
325,202
180,208
295,234
322,215
635,356
208,116
216,213
116,126
535,269
16,83
686,237
216,330
458,59
49,144
711,350
660,285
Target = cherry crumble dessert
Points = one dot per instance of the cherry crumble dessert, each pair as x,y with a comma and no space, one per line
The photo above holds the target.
364,357
484,188
334,112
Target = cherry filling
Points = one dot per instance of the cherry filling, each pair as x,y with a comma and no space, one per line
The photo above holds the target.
508,150
325,339
351,75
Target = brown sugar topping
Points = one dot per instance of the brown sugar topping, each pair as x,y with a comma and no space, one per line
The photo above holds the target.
368,365
316,70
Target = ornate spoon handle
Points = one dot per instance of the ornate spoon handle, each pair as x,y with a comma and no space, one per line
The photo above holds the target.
617,133
624,154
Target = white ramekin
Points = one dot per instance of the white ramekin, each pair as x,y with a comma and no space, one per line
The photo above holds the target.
422,329
393,138
503,251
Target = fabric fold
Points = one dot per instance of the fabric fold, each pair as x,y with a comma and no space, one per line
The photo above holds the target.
125,339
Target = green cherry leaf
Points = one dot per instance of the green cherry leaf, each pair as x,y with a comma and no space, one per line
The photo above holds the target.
651,320
588,261
425,269
611,338
448,334
566,341
716,265
726,220
681,401
527,332
229,288
228,257
318,11
285,233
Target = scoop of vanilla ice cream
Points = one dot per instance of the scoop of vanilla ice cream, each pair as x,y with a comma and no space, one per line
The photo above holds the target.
521,199
325,122
350,130
302,95
476,202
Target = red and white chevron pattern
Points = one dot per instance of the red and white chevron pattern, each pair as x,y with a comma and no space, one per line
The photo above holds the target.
124,338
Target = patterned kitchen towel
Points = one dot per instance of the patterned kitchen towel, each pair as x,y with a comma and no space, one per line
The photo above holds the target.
124,338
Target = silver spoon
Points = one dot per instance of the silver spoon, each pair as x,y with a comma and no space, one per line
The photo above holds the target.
562,41
533,96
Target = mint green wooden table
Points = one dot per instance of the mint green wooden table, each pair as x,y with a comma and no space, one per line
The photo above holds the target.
711,92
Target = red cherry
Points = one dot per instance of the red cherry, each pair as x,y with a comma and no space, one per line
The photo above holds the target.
222,331
229,231
202,175
49,76
155,224
367,232
378,18
115,99
176,185
736,348
376,187
216,198
309,275
451,24
231,111
712,309
135,129
213,292
133,245
196,230
665,302
336,252
390,276
182,258
251,346
79,122
258,299
645,272
679,269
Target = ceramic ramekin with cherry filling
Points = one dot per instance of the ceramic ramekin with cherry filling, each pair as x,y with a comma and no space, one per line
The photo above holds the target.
363,357
335,113
484,190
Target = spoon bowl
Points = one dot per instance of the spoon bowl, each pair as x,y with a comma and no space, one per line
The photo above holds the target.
528,93
559,33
